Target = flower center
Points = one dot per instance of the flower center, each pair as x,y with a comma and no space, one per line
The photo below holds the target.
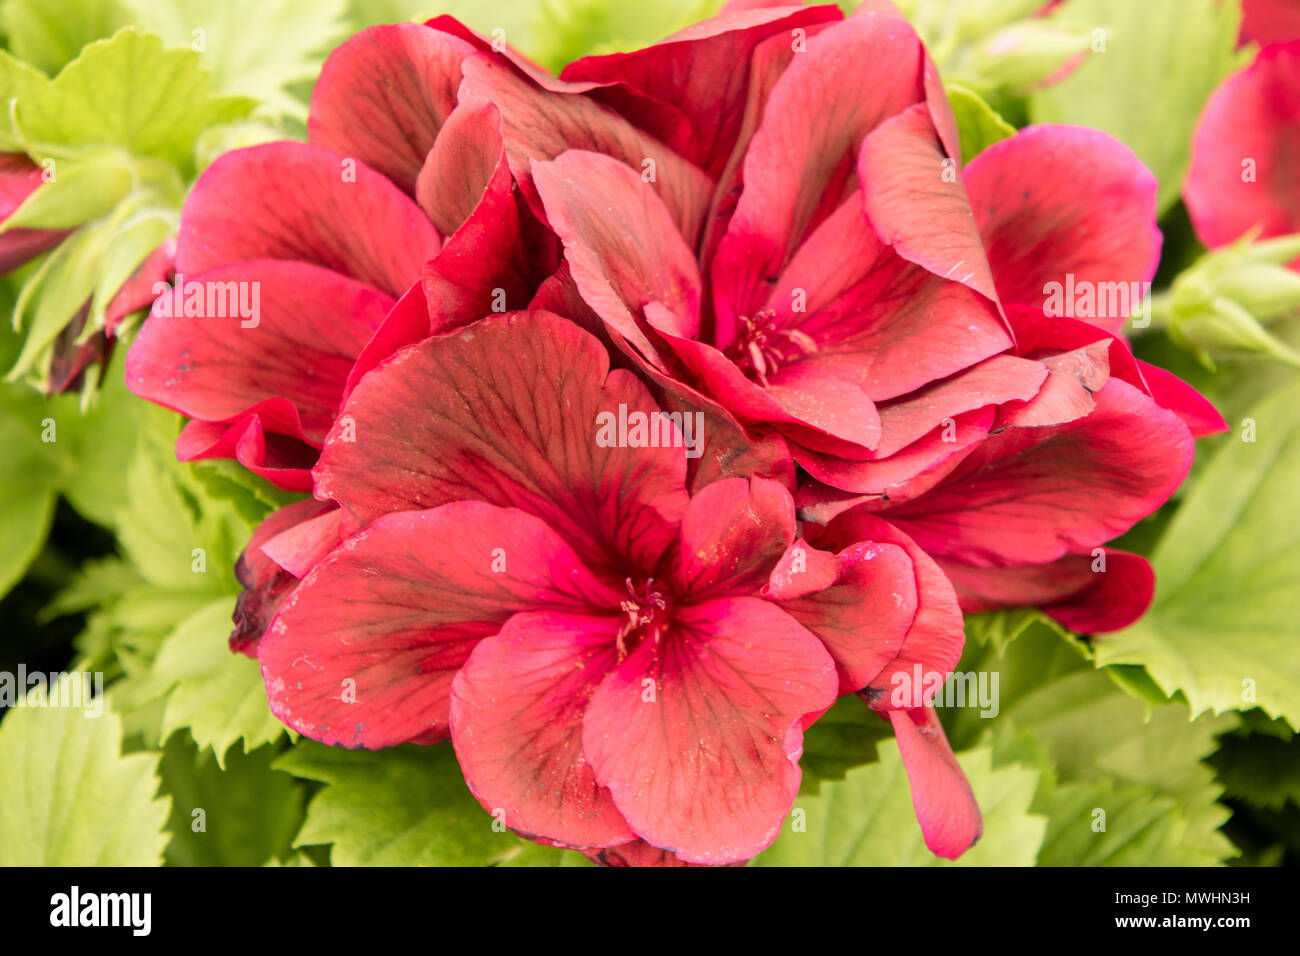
645,615
761,349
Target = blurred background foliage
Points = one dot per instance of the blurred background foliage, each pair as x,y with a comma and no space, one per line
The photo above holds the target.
116,558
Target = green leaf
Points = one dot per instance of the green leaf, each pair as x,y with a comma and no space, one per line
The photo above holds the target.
256,48
48,35
177,536
1142,828
72,799
25,514
217,694
517,18
244,815
136,240
1071,721
99,444
60,286
868,820
570,29
128,91
17,80
1000,628
251,496
534,854
1259,769
978,124
405,806
842,738
27,468
81,191
1226,618
1148,48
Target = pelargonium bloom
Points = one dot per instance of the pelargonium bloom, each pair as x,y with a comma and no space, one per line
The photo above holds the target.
1242,174
614,657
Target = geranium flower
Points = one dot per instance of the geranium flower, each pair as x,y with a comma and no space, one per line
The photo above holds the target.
1242,174
616,659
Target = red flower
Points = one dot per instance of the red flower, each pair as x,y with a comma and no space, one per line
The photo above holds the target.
625,640
1242,174
614,658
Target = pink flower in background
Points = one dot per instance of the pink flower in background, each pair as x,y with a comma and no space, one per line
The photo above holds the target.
1243,170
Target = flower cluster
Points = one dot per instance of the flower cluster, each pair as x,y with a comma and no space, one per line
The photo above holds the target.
648,409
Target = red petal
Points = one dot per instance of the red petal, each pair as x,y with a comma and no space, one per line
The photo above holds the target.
267,585
306,203
1068,589
865,614
1187,403
941,796
309,325
265,440
916,207
708,768
800,163
516,716
935,635
620,243
540,124
383,95
506,410
19,178
1039,226
1253,115
733,533
883,321
467,189
702,71
1032,495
